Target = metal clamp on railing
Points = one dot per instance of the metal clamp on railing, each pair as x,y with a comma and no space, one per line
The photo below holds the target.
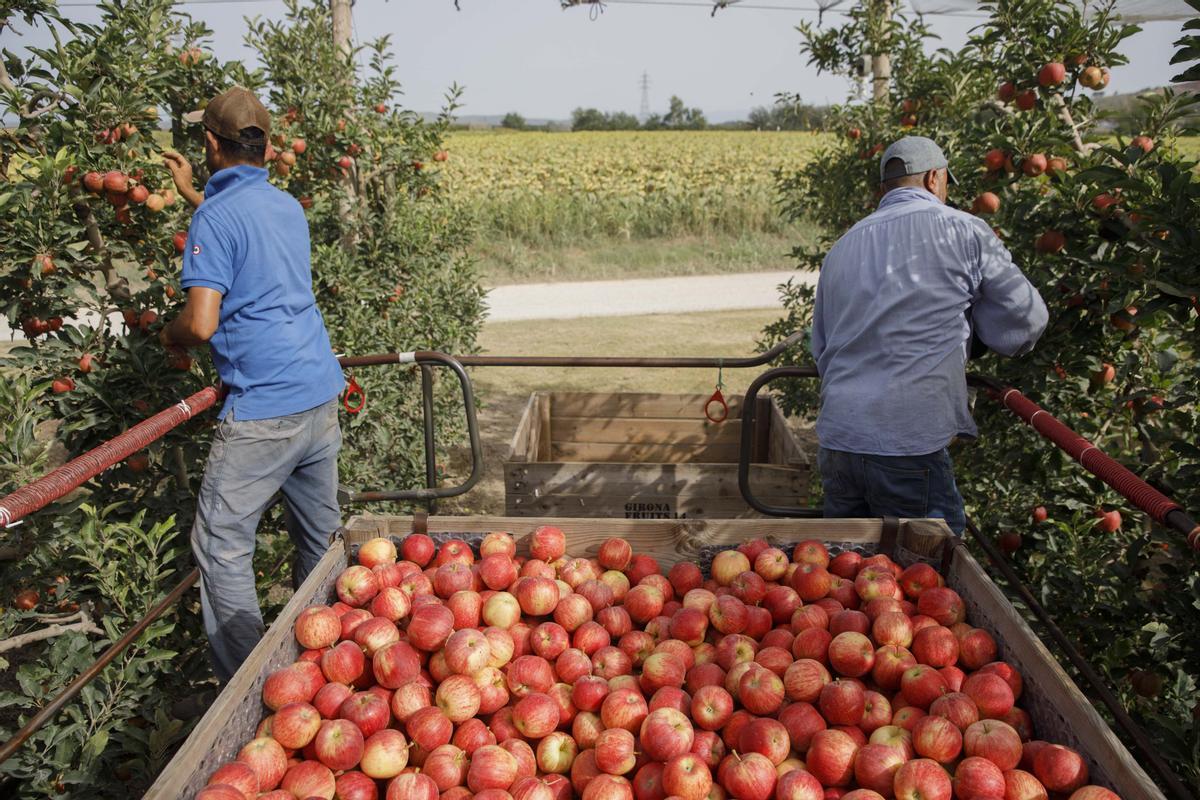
746,447
425,359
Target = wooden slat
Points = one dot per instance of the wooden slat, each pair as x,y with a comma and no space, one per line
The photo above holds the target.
643,453
231,720
783,449
717,479
638,505
545,437
1060,711
518,450
534,445
647,430
637,404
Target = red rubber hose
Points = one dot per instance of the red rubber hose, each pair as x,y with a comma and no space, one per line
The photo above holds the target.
1140,493
70,476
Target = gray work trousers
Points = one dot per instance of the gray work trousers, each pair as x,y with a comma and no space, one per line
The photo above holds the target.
249,462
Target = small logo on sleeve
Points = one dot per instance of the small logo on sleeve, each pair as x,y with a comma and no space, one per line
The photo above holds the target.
195,249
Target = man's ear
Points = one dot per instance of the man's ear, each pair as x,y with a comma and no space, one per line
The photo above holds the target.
931,181
213,143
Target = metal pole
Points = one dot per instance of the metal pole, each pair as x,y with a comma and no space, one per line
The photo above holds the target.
1141,743
427,418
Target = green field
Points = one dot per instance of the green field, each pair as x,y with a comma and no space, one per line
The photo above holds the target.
570,206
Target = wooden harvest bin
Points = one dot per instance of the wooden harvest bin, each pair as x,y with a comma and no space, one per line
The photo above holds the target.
646,456
1060,711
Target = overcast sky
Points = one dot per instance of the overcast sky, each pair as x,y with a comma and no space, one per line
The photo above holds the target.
530,56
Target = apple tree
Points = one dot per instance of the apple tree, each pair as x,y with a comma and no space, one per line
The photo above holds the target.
90,238
1106,228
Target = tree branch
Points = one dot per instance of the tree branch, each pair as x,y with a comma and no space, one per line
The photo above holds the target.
84,625
118,287
1064,114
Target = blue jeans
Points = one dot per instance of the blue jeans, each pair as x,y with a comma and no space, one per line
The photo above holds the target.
249,462
862,485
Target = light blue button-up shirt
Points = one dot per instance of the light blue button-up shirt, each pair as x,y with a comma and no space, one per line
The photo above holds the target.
890,332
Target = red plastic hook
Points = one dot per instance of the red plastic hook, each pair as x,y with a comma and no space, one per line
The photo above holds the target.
354,390
719,398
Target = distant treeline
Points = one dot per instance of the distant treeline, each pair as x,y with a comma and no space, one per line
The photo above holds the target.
789,114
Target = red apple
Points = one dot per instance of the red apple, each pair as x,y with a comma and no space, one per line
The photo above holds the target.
356,586
412,786
922,685
607,787
535,715
842,702
875,767
376,551
556,752
447,766
318,627
978,777
294,725
767,737
991,693
265,756
922,779
935,646
748,777
287,685
831,757
239,775
429,727
309,779
891,662
418,548
385,754
942,604
760,691
851,654
547,543
665,733
687,777
802,722
430,626
1051,74
339,744
491,767
995,741
615,751
624,708
937,738
1060,769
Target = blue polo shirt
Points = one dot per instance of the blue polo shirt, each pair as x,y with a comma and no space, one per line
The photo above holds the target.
249,241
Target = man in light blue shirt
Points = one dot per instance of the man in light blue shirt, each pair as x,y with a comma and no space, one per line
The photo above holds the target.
248,278
896,301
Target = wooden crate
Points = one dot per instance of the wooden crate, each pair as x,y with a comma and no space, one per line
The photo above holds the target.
646,456
1060,711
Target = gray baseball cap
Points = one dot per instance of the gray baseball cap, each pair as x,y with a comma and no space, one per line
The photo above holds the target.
918,154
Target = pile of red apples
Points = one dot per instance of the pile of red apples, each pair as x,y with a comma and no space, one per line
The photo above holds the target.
442,674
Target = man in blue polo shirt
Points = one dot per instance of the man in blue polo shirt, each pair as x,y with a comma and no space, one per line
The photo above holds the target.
898,298
248,280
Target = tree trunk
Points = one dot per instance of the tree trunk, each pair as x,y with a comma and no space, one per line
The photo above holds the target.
881,63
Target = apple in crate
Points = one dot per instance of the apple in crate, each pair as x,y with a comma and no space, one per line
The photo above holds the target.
377,551
318,627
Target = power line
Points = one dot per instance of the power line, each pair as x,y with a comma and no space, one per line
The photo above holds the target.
760,7
669,3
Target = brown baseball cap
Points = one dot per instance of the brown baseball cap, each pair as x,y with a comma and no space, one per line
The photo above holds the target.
230,112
